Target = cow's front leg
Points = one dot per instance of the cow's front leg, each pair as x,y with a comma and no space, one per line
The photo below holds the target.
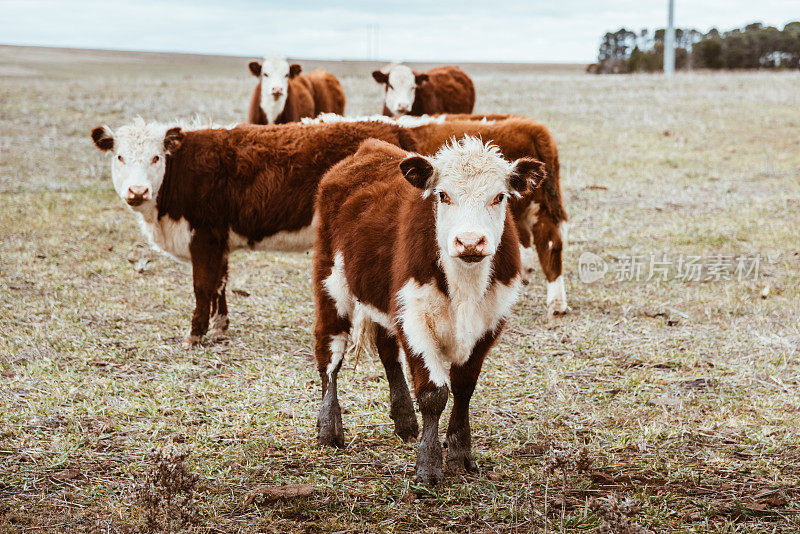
207,251
459,434
219,306
431,391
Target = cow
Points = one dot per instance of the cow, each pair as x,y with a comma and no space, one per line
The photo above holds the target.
284,95
201,194
540,215
439,90
418,254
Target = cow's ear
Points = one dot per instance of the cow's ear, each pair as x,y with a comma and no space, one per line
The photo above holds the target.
255,68
173,139
419,79
526,175
294,70
103,138
380,76
418,171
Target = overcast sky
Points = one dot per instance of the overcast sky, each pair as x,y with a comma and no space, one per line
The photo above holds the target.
432,30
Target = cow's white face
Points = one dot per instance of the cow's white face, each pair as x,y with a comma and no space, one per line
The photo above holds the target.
274,81
471,183
139,153
400,90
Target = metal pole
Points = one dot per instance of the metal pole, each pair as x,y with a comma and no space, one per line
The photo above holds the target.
669,41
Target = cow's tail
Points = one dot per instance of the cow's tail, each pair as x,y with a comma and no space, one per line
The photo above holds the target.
363,333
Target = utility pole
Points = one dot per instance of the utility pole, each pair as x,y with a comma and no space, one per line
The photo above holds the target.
669,41
372,41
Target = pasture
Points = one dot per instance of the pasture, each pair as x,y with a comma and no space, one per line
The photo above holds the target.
672,404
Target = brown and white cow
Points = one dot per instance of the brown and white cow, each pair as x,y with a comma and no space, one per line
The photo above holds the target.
439,90
420,254
202,194
284,95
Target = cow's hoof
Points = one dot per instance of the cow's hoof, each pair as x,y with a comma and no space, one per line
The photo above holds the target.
429,474
329,423
218,336
190,341
461,463
557,308
408,430
330,434
405,425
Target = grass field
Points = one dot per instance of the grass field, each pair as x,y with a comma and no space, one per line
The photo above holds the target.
685,395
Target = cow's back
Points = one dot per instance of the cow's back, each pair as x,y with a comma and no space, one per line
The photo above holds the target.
454,89
327,92
299,101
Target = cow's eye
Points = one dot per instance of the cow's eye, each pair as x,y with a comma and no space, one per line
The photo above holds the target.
121,159
156,158
444,198
266,75
498,199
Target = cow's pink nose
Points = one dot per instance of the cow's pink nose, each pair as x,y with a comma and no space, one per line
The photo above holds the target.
403,108
470,246
277,91
137,194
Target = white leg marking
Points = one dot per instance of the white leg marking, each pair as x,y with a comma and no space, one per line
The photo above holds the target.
556,296
338,345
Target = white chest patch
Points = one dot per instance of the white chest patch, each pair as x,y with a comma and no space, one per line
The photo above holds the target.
445,330
168,236
271,107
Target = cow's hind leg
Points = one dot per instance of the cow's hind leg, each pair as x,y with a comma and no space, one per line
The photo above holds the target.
549,240
332,332
330,349
219,307
401,407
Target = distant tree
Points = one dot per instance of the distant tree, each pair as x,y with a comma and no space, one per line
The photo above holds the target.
707,54
755,46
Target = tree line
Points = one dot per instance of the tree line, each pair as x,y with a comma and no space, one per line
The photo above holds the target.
753,47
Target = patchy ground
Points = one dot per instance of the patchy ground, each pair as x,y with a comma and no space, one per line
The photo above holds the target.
668,404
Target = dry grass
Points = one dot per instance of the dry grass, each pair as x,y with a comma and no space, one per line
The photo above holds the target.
689,425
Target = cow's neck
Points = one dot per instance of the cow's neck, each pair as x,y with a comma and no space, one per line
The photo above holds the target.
467,283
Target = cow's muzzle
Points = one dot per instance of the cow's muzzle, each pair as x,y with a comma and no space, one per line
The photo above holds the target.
471,247
137,195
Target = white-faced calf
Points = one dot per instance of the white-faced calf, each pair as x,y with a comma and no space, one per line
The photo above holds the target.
202,194
284,95
418,254
439,90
